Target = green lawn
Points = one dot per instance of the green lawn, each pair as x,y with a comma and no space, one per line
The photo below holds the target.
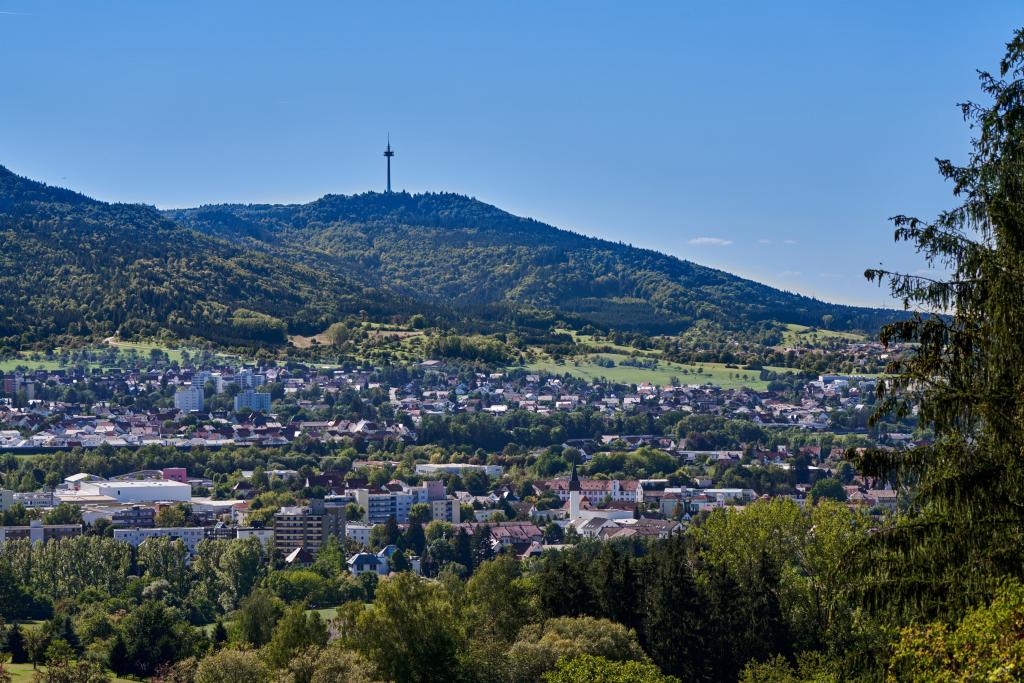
38,361
12,364
591,342
801,335
143,348
23,673
326,613
700,373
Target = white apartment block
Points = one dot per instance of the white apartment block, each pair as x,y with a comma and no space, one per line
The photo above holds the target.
190,536
252,400
189,399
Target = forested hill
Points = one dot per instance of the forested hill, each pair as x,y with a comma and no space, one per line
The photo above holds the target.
73,265
460,252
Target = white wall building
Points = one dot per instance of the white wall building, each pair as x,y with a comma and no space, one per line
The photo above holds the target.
153,491
247,379
36,499
458,468
360,533
201,377
189,399
265,536
378,505
252,400
189,535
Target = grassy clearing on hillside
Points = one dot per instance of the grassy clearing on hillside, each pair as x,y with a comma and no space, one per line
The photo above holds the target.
143,348
801,335
25,360
591,342
700,373
36,360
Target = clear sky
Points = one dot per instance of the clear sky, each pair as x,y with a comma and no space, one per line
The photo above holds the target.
770,139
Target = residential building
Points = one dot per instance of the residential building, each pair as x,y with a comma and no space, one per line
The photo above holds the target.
189,535
36,499
265,536
37,532
368,563
189,399
6,499
122,516
458,468
250,400
247,379
396,499
201,377
360,533
446,510
307,527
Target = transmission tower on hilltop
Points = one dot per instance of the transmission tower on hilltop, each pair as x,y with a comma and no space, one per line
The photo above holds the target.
388,152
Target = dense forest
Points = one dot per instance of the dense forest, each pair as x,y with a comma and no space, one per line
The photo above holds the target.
74,266
71,265
451,249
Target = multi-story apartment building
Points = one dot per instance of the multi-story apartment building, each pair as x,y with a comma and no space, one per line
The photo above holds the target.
247,379
189,399
446,510
201,377
6,499
37,532
596,490
189,535
360,533
379,504
36,499
307,527
122,516
252,400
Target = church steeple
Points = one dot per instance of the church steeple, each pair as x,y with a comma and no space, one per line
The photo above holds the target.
575,494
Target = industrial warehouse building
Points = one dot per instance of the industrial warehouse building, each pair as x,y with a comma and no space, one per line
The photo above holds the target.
145,491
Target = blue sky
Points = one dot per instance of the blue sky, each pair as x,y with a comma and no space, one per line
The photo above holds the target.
772,140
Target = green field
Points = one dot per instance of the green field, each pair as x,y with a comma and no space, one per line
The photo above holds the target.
25,360
326,613
591,342
35,360
143,348
23,673
700,373
801,335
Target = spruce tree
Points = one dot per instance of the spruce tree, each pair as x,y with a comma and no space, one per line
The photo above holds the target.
964,371
16,645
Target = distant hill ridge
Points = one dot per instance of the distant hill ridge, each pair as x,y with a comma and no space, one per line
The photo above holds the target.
452,249
72,265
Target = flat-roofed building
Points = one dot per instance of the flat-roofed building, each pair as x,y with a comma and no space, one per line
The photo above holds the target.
140,516
37,532
255,401
146,491
307,526
189,535
189,399
36,499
